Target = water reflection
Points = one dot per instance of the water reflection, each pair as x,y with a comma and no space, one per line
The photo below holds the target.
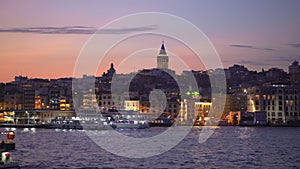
235,147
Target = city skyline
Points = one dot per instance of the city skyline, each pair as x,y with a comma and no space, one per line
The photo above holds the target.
150,84
152,68
43,40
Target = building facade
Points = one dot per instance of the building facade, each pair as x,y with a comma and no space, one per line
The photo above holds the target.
279,101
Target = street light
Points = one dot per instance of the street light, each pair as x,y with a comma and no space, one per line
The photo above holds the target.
13,113
27,117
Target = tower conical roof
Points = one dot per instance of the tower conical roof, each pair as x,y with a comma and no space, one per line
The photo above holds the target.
162,49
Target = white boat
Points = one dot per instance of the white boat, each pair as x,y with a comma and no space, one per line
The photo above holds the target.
63,124
132,124
7,161
95,125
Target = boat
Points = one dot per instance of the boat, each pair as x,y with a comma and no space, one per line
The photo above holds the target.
132,124
7,161
8,144
63,123
162,122
95,125
127,119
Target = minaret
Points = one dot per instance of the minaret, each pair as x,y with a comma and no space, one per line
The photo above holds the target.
162,58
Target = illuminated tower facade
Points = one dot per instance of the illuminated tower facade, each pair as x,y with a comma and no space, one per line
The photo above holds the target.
162,58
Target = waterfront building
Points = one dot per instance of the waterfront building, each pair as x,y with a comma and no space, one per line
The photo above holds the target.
183,111
64,104
172,107
132,105
238,100
13,101
228,105
42,98
89,100
7,116
18,116
54,97
202,110
234,118
38,102
194,111
105,100
279,101
260,118
29,97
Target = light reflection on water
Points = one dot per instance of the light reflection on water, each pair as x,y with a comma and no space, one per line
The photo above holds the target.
229,147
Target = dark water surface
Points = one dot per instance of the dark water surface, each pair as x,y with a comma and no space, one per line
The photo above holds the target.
228,147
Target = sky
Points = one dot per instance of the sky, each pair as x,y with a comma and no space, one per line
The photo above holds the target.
43,38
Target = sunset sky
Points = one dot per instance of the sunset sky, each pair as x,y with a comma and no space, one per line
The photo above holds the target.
43,38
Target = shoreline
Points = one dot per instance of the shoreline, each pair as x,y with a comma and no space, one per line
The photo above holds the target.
43,126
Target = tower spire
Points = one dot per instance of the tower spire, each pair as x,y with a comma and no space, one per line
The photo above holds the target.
162,49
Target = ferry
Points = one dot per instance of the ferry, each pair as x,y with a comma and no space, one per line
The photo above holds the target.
95,125
62,123
132,124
